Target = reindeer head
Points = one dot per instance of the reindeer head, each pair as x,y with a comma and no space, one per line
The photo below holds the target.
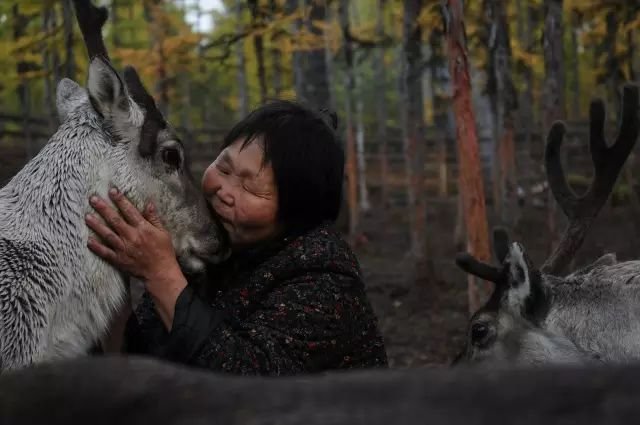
141,154
509,328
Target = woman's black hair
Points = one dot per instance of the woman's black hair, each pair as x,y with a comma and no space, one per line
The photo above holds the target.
307,158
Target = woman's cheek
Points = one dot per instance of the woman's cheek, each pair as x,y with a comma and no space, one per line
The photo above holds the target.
256,212
210,180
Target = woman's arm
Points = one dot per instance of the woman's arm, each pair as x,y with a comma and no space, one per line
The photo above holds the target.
139,245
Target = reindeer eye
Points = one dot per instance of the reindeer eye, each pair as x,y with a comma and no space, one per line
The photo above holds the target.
479,332
171,157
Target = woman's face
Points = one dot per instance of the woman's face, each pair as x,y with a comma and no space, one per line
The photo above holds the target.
242,192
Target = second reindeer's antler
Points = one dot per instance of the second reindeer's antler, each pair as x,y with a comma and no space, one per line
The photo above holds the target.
580,210
607,161
485,271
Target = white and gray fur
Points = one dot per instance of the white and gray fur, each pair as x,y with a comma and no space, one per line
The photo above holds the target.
56,297
591,315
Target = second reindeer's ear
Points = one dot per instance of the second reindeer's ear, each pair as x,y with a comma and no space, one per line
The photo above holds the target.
519,277
500,243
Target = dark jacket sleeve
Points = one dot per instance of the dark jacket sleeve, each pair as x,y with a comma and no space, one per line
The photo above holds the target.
144,330
193,321
297,327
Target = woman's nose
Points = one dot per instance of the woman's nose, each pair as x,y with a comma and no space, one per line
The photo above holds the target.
213,184
225,194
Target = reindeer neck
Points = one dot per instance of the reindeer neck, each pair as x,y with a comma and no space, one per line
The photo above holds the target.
49,197
47,202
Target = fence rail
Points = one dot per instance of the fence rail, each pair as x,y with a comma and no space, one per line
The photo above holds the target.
22,137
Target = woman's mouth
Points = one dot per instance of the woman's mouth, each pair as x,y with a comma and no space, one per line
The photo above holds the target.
216,210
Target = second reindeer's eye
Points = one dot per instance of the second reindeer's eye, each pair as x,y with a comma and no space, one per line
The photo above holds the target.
479,333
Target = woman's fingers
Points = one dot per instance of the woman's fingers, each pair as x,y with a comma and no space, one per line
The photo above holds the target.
128,210
102,250
104,232
151,216
111,216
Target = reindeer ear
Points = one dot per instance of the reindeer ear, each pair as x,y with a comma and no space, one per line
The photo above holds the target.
519,277
500,243
69,96
107,93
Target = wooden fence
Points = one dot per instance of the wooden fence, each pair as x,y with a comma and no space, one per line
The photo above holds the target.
21,138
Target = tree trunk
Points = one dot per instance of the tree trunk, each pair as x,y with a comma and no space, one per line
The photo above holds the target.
363,192
20,23
470,175
361,151
47,66
575,87
525,12
153,16
412,115
439,81
381,105
67,21
299,77
55,60
504,104
243,89
553,92
276,55
113,17
614,75
328,55
258,46
315,91
351,160
631,54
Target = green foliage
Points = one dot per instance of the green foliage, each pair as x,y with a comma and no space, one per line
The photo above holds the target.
201,68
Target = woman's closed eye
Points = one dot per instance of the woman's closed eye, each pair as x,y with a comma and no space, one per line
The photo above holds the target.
223,170
257,191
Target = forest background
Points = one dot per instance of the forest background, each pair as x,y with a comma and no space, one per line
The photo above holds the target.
418,188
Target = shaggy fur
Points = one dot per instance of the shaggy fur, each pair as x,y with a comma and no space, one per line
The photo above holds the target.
128,391
57,298
591,315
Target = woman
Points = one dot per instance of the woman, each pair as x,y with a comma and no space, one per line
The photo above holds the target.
290,299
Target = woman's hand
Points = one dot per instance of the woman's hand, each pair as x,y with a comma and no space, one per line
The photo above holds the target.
134,243
139,245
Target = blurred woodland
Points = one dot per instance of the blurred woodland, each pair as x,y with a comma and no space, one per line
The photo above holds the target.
444,113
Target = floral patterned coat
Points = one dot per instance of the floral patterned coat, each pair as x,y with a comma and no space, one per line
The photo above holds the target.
295,306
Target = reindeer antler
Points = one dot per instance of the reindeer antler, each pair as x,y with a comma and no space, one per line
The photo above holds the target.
91,19
485,271
607,161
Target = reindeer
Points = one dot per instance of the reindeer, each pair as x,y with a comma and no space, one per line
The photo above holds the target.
129,390
57,298
535,316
